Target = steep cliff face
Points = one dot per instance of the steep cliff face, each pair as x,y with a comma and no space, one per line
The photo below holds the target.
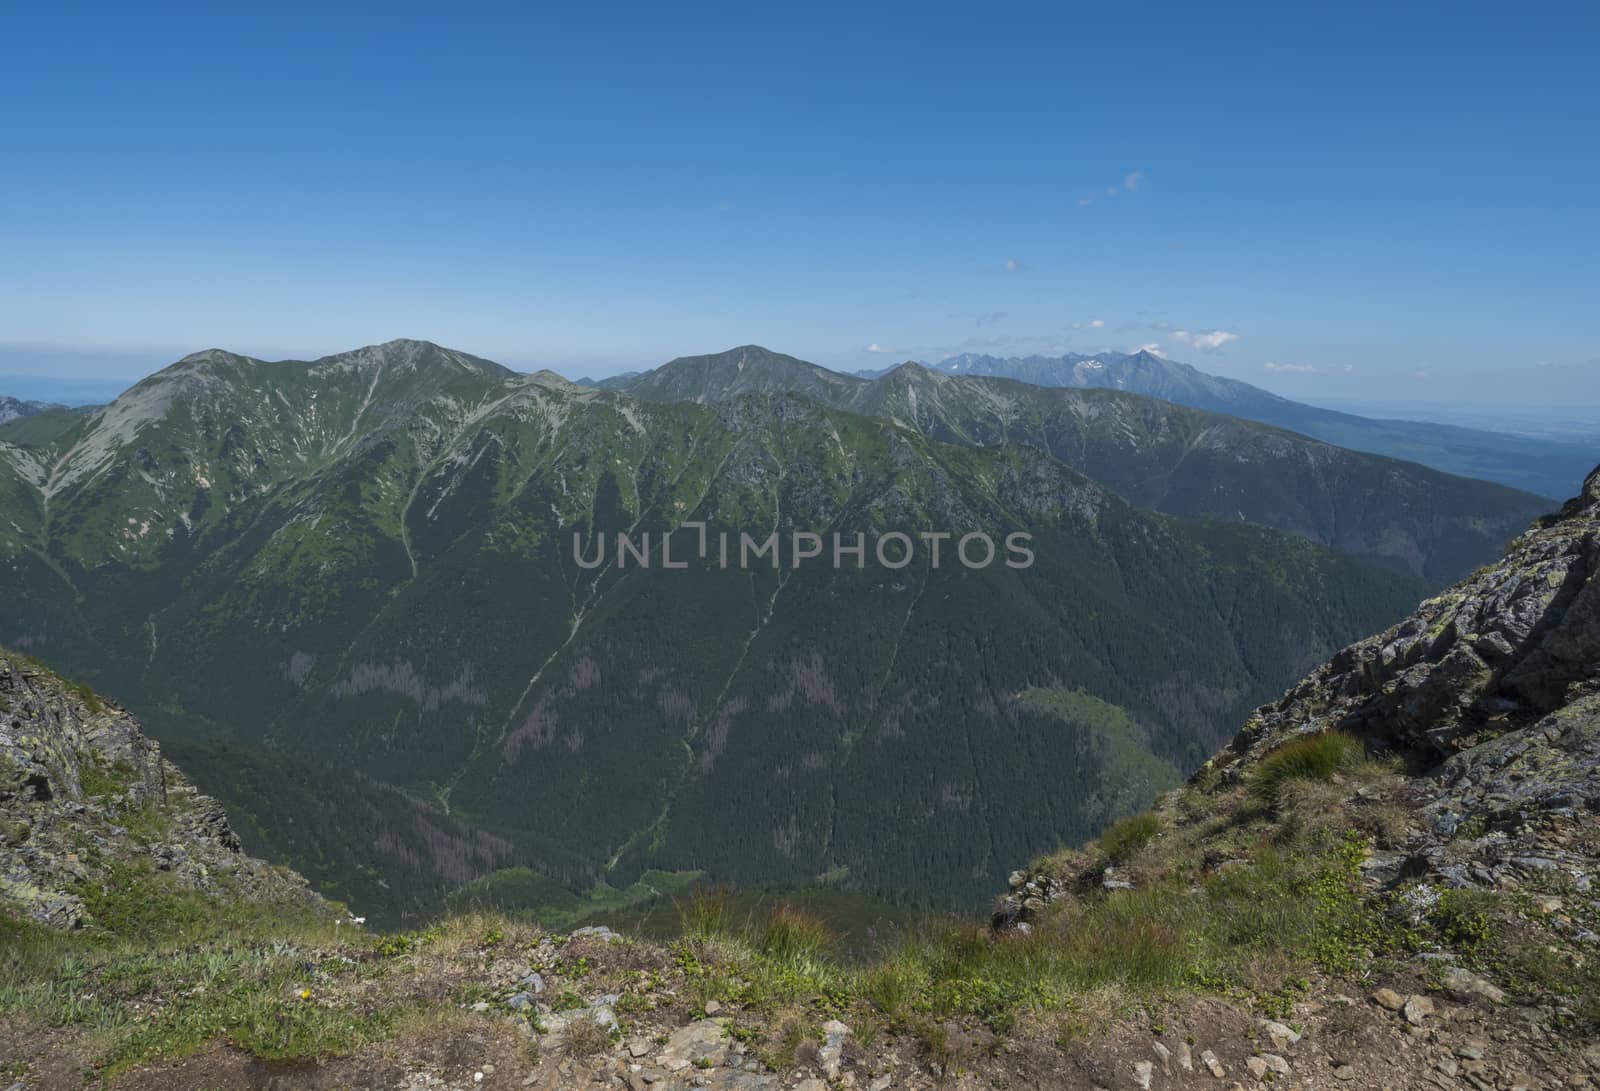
86,801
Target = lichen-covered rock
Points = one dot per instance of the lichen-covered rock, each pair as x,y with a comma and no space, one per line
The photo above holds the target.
83,791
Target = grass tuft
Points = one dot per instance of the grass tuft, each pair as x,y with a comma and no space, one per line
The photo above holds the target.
1314,757
1125,837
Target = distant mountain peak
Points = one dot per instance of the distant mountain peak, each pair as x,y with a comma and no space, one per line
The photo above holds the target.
913,372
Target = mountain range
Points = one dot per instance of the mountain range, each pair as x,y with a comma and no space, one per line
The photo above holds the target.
15,408
1157,454
346,595
1551,469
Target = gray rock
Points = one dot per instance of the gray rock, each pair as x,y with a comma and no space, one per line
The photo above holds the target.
1467,985
834,1034
700,1040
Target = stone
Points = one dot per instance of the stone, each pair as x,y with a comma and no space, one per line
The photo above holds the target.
520,1001
832,1053
1417,1008
1257,1067
701,1040
1185,1057
1388,999
1143,1073
1467,985
1275,1063
1214,1066
597,931
713,1006
638,1047
1473,1049
1344,1072
1281,1034
1115,880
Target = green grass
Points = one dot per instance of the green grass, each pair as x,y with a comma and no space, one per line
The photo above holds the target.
1125,837
1314,757
161,993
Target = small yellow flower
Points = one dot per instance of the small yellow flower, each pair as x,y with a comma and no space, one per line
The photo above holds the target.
305,994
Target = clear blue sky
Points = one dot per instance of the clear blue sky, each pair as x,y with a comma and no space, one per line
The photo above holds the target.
1372,201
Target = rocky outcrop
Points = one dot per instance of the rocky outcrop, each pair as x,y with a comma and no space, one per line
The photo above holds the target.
1488,695
83,791
1513,643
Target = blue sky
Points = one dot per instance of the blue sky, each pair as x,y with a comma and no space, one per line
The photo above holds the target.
1358,203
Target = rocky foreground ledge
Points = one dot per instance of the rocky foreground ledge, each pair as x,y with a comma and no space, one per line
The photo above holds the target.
86,799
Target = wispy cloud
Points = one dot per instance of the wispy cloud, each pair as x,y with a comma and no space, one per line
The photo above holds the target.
1132,182
875,347
1306,369
1203,340
1012,265
982,319
1092,324
1153,347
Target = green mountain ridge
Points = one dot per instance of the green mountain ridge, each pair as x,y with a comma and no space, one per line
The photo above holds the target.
1548,468
344,594
1158,455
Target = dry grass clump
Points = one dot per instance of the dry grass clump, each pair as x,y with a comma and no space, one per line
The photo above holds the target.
585,1036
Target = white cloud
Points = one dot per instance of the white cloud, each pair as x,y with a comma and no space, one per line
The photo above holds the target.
875,347
1134,181
1306,369
1092,324
1204,340
1153,348
1013,265
1089,200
